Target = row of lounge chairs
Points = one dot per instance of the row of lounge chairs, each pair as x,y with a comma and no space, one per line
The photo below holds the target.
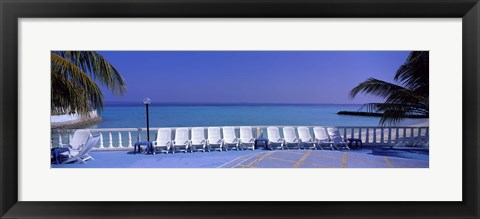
83,141
324,138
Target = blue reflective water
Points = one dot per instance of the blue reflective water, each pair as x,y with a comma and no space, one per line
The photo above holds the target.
131,116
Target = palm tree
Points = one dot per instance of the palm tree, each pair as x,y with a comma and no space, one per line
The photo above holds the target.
407,98
73,76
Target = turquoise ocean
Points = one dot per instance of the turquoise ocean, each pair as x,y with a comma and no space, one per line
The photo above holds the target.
194,115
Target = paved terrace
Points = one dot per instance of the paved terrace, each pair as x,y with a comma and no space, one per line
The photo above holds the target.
253,159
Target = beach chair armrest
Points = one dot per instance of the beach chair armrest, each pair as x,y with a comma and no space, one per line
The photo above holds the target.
73,149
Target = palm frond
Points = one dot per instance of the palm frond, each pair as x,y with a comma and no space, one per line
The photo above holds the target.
400,101
69,79
414,73
374,87
98,68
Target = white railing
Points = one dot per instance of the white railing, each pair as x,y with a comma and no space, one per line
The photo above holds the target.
118,138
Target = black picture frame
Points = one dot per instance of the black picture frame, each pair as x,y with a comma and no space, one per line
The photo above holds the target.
12,10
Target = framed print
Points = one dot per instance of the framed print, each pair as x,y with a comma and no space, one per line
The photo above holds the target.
287,109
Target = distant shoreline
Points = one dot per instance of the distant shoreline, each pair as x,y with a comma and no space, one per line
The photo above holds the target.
356,113
73,121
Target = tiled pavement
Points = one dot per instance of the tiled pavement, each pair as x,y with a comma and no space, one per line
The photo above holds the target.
249,159
321,159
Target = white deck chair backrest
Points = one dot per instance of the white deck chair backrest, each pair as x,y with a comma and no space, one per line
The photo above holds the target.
91,142
214,135
273,134
164,135
79,138
320,133
304,134
289,134
181,135
229,134
198,135
334,134
246,134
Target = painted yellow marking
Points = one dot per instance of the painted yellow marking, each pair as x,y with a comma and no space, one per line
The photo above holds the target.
280,159
302,159
344,159
258,160
317,165
389,164
325,156
291,152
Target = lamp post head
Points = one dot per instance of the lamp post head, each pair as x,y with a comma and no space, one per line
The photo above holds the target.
147,100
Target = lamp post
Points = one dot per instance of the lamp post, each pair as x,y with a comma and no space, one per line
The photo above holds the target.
147,101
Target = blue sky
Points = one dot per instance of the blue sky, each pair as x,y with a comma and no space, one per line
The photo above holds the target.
307,77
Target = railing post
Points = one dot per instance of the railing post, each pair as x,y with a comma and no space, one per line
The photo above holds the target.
367,135
351,134
344,133
427,136
374,141
389,135
129,139
360,134
101,140
139,136
382,135
404,140
110,140
412,137
120,144
396,136
60,143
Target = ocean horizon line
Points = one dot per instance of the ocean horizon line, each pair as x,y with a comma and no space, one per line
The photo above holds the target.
135,103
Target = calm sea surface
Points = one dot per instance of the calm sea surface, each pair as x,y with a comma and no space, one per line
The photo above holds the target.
133,116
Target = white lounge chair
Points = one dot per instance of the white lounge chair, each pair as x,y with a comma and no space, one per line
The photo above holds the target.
274,139
78,140
164,140
246,138
306,140
337,139
198,142
229,138
321,136
82,155
214,140
181,142
290,138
